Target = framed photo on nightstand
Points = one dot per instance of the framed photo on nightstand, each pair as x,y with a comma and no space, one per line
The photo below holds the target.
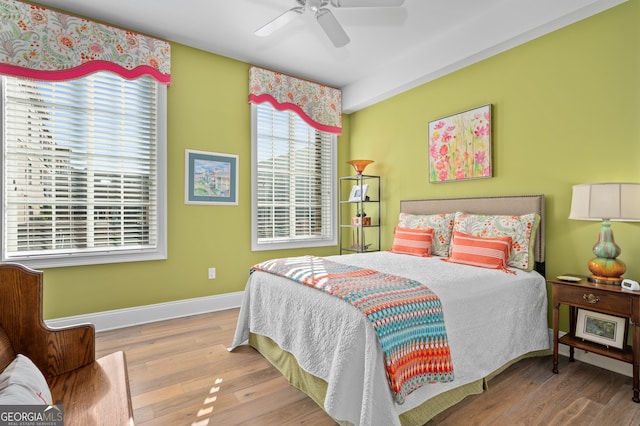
600,328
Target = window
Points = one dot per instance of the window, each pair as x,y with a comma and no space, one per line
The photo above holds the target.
293,182
83,170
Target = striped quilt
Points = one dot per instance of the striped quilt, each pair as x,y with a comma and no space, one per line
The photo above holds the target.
405,314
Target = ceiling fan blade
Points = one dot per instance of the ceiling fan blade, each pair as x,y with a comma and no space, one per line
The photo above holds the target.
279,22
367,3
332,28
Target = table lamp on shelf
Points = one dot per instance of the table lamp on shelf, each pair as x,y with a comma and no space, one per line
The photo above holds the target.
617,202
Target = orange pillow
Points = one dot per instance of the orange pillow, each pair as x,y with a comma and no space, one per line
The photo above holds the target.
416,242
490,253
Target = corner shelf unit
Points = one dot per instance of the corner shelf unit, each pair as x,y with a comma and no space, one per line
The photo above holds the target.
359,237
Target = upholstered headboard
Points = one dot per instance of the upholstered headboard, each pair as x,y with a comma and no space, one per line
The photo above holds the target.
504,204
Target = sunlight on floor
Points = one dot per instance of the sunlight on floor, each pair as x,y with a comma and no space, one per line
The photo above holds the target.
207,405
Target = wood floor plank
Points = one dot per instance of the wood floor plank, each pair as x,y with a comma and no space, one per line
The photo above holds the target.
181,373
617,411
579,412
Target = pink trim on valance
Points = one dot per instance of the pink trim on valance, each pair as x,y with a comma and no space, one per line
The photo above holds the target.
84,69
44,44
319,106
258,99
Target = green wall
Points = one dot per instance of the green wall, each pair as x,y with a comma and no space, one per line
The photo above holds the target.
565,111
207,111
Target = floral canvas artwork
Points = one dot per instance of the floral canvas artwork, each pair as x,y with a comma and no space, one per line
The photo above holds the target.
460,146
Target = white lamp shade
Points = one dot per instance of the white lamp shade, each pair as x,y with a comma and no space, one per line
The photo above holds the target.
613,201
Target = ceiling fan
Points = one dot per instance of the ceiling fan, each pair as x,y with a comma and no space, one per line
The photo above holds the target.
323,15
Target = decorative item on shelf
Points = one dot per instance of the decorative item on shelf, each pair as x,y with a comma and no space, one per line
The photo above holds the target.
618,202
360,165
364,221
601,328
361,219
359,193
361,245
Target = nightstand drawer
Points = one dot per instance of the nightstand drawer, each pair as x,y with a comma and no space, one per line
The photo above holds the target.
617,304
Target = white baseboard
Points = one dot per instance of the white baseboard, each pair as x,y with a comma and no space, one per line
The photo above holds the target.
119,318
594,359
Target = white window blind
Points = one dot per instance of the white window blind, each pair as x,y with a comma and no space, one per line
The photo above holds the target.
293,181
80,169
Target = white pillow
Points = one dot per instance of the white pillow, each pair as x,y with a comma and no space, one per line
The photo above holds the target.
22,383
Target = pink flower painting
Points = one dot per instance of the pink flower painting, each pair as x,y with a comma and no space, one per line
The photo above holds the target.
460,146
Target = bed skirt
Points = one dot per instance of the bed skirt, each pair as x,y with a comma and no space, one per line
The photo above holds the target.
316,388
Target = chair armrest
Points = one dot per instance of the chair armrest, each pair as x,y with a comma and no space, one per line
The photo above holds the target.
68,348
54,351
95,394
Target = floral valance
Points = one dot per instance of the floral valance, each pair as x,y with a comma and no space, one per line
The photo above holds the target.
44,44
320,106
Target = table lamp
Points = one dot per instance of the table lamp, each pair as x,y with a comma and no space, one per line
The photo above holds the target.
619,202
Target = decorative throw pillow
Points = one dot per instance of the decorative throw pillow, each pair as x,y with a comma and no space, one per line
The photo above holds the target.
416,242
521,229
22,383
442,225
491,253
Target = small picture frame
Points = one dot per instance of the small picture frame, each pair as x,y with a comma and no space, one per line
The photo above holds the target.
210,178
359,193
600,328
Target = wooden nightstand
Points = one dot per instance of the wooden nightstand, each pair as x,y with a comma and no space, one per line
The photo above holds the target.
601,298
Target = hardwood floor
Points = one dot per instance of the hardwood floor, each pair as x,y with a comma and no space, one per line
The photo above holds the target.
181,373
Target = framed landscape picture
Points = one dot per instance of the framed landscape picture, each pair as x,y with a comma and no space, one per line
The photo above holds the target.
600,328
210,178
460,146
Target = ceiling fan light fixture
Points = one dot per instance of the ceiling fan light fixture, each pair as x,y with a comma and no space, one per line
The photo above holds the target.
324,16
315,5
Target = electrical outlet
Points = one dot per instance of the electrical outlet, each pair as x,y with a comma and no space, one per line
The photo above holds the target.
212,273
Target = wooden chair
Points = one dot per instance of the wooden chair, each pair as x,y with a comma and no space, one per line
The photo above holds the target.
92,392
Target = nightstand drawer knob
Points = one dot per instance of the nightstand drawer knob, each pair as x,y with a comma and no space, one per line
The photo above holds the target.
590,298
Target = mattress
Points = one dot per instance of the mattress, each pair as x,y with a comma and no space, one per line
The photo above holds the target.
492,318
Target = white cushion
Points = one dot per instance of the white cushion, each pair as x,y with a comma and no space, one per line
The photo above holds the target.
22,383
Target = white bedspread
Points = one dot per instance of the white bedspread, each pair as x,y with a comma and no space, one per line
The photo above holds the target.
491,318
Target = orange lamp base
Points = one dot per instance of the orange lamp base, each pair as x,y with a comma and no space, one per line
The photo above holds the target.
606,271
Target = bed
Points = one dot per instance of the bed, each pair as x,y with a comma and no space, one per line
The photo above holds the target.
331,352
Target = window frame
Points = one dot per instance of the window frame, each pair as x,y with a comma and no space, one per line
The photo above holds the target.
104,255
290,243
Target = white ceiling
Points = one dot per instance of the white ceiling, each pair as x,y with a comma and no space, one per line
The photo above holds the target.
391,49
